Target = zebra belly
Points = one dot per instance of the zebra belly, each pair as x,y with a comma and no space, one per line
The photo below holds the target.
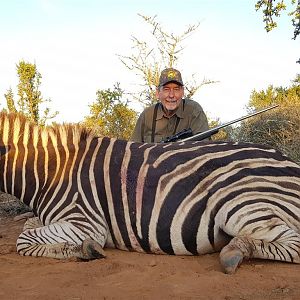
172,240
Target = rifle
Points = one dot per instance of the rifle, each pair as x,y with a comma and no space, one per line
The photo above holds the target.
187,134
183,134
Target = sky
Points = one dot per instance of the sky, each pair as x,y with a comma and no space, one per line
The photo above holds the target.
75,45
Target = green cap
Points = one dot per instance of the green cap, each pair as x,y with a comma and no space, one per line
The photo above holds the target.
170,75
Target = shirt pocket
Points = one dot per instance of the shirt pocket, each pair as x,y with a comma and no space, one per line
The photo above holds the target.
157,138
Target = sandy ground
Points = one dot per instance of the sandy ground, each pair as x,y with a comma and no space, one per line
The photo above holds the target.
129,275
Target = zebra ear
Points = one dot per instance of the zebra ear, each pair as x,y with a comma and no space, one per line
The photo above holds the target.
3,150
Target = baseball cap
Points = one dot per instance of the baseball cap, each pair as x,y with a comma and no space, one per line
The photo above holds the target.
170,75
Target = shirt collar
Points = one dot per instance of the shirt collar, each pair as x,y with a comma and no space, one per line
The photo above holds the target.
178,113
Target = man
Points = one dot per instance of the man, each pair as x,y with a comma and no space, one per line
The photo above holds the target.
171,114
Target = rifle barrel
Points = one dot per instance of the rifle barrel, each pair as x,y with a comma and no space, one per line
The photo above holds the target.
207,133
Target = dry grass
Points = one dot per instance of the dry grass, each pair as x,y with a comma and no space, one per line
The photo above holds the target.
11,206
279,129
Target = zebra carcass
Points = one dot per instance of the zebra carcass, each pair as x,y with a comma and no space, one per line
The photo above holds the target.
185,198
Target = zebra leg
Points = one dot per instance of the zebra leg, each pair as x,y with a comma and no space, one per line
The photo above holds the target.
284,247
232,255
26,215
61,240
32,223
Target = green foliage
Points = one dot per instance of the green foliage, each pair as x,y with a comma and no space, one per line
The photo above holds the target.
222,134
273,8
109,116
285,97
279,128
29,96
10,101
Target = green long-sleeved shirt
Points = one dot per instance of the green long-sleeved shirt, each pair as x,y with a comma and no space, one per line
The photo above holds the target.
188,115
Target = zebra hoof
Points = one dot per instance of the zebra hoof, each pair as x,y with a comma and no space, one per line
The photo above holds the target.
92,250
230,258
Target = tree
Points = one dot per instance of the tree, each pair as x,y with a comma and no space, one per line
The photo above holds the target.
285,97
29,96
273,8
110,116
279,128
222,134
162,50
10,101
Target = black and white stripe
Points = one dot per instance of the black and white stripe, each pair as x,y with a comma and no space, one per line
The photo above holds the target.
178,198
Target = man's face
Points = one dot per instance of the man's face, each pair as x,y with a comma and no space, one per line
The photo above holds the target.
170,96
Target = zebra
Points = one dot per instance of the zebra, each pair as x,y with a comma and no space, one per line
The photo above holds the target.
185,198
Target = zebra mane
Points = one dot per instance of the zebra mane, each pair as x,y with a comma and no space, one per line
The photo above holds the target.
15,126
